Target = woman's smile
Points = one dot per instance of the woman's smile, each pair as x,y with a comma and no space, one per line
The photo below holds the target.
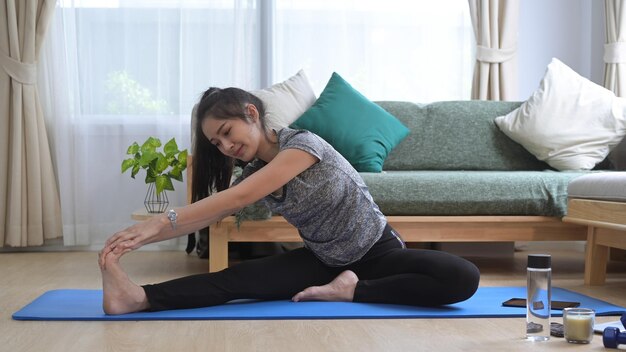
239,152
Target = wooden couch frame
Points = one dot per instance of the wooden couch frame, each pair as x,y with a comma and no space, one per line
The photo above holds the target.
412,229
606,228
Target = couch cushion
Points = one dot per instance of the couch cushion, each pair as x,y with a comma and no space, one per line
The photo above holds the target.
456,135
471,192
569,122
286,101
360,130
608,186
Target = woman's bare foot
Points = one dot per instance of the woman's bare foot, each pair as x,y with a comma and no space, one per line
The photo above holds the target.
120,294
340,289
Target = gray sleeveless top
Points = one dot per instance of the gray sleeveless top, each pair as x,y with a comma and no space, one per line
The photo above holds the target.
328,203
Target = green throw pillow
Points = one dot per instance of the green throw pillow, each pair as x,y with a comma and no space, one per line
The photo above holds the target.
363,132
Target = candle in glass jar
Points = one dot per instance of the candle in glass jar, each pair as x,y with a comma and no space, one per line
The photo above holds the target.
578,324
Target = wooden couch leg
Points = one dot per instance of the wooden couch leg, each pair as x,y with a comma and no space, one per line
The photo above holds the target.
218,247
595,259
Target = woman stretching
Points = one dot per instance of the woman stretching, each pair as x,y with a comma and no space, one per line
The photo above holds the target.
350,253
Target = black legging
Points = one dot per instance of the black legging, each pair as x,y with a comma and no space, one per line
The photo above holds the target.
388,273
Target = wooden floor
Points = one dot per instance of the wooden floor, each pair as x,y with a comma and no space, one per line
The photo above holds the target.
24,276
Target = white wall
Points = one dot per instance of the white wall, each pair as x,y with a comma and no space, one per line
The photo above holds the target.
570,30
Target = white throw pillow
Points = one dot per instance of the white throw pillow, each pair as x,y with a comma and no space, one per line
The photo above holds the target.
286,101
570,122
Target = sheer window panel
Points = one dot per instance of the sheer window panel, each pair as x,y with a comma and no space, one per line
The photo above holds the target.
419,51
156,58
117,71
114,72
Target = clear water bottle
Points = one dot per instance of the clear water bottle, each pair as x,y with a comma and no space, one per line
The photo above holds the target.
538,289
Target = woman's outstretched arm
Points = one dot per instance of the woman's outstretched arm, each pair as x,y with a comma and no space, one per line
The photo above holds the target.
285,166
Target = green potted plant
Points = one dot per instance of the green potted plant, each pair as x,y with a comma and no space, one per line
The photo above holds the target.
161,167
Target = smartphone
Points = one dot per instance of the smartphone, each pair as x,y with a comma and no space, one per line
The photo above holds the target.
521,302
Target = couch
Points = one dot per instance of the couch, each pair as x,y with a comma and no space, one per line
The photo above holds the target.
454,178
462,171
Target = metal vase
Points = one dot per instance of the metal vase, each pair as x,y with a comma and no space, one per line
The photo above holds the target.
155,203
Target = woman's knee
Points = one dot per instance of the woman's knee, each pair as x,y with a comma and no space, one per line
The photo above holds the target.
465,282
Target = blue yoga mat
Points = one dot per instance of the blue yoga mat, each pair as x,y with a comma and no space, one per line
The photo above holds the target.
487,302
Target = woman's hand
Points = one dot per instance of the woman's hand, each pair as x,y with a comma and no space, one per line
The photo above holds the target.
134,237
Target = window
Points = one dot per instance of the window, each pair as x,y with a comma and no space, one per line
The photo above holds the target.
145,57
417,51
117,71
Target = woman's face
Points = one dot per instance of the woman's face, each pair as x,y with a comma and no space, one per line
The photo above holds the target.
236,138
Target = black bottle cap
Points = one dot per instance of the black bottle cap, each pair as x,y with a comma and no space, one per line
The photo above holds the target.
539,261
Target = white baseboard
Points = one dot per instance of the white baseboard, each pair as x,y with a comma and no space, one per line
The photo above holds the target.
575,246
478,249
506,249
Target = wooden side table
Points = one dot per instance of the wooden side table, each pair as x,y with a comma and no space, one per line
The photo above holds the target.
142,214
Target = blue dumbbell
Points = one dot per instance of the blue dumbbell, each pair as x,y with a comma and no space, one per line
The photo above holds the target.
611,337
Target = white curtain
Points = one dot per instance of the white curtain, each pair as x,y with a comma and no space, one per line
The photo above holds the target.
119,71
615,62
111,76
29,200
418,50
615,47
495,27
